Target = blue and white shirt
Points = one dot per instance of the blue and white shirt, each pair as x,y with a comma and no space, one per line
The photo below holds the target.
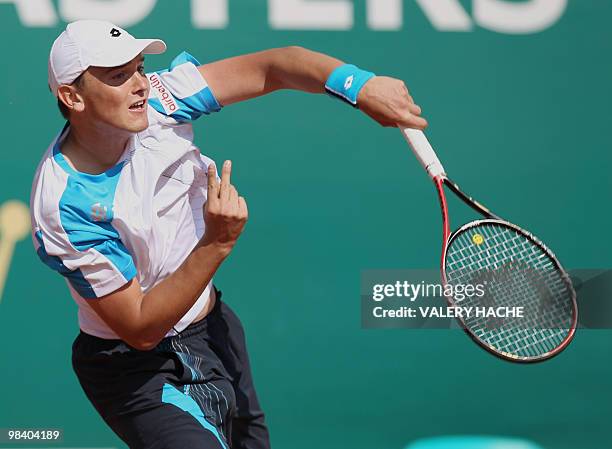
139,219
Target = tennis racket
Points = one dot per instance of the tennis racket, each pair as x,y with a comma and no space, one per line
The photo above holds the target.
515,268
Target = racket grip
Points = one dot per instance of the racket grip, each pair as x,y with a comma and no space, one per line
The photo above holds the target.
423,151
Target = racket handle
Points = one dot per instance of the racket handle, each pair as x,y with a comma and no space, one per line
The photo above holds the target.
423,151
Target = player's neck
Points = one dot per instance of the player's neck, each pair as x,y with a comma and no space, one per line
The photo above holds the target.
92,149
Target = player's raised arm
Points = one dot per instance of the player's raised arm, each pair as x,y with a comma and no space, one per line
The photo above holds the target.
240,78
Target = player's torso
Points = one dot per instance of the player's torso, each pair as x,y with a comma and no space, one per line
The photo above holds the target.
160,210
151,200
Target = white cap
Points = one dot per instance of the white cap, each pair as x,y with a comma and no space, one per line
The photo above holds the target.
98,43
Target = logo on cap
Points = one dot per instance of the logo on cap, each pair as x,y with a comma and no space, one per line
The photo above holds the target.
115,32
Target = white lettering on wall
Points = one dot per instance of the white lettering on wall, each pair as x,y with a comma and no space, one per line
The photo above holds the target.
209,13
446,15
35,13
501,16
518,18
310,14
121,12
384,14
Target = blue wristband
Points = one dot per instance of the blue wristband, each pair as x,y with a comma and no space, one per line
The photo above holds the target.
346,81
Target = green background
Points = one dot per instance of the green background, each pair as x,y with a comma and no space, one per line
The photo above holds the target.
522,121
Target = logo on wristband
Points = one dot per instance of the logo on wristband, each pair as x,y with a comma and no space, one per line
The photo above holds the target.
348,82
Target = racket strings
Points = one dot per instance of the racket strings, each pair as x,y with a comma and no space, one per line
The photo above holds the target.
519,285
512,292
515,272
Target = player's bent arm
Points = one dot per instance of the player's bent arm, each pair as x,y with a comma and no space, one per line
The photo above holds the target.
142,320
384,99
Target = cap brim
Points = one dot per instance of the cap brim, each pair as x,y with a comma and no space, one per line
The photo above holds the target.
153,46
129,52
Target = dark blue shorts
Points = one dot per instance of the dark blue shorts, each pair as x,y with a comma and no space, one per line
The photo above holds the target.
193,390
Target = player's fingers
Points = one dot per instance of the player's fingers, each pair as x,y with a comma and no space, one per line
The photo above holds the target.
242,207
414,108
404,89
213,184
233,197
419,122
413,121
226,174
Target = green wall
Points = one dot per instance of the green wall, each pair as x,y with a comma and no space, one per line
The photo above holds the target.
521,120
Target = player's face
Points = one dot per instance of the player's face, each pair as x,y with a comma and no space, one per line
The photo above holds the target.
117,96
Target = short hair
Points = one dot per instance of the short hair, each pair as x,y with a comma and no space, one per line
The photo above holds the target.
61,106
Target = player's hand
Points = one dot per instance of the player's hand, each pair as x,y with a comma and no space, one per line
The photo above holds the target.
225,212
388,101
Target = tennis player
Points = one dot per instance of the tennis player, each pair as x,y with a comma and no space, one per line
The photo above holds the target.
126,208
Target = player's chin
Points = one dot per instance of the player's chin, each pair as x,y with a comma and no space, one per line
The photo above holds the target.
136,121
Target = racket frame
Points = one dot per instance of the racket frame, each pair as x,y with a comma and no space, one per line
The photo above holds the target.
432,165
564,276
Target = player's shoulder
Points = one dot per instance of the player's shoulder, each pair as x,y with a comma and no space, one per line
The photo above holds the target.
56,184
48,182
